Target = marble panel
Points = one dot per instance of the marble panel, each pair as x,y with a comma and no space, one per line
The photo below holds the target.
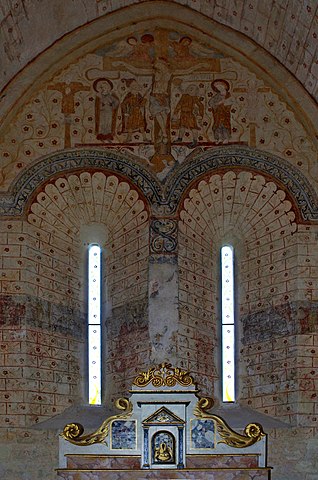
123,435
202,434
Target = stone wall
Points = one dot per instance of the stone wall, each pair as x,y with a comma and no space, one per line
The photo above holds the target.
43,312
198,299
160,144
41,346
276,264
43,309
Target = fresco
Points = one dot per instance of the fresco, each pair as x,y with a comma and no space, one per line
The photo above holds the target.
160,96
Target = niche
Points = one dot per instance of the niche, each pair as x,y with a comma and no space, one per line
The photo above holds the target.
163,447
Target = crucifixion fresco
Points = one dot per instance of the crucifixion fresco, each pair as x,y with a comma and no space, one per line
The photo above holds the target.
159,101
152,90
160,96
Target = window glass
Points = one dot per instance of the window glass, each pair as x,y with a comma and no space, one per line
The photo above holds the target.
94,324
228,326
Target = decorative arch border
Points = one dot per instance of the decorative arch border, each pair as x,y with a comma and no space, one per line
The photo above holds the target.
164,199
14,203
224,158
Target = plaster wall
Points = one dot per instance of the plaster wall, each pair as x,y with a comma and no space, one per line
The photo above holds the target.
288,30
161,143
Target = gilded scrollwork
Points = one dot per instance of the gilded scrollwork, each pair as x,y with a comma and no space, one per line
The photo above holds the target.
73,432
164,375
253,432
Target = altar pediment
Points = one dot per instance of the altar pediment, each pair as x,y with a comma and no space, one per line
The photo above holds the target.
161,417
164,426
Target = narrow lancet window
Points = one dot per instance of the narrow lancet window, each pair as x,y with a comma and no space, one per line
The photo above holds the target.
228,324
94,325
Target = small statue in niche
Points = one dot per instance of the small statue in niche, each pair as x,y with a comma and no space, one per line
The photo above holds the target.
163,453
163,445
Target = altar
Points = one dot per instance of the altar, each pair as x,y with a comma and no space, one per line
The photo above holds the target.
164,430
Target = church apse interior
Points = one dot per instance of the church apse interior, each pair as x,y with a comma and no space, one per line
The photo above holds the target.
160,131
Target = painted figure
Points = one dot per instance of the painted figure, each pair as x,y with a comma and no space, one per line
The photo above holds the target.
106,106
159,101
188,113
182,49
142,51
133,110
221,111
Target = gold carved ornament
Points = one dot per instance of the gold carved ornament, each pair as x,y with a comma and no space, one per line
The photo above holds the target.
253,431
163,376
73,432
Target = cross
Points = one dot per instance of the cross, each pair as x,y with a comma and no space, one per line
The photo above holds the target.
252,90
68,91
165,60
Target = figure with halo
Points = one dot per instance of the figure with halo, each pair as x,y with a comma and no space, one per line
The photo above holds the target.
221,110
106,106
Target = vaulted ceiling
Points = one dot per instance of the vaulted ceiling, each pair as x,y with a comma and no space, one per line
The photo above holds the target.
287,29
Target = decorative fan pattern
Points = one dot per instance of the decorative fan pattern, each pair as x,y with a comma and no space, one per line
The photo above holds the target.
249,212
91,200
253,215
